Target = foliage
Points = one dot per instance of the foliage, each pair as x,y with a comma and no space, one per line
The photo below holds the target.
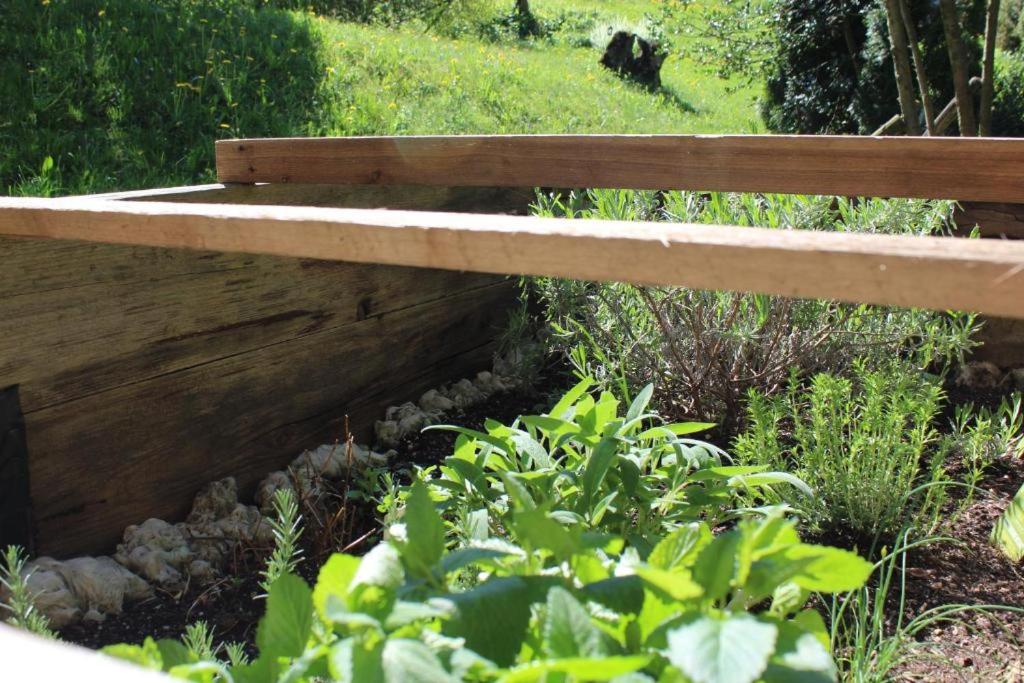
981,435
593,468
864,444
872,634
1008,106
286,526
705,350
403,612
1008,533
16,599
832,72
121,93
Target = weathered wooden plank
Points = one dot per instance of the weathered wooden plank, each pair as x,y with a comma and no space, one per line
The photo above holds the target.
78,319
28,657
980,169
108,460
930,272
998,219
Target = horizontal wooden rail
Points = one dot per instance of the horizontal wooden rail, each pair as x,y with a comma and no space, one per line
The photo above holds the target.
28,657
978,169
986,276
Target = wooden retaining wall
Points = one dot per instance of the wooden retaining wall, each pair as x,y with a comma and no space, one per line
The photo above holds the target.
144,372
160,340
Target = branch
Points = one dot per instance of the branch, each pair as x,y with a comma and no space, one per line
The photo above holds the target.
922,77
988,69
901,64
958,64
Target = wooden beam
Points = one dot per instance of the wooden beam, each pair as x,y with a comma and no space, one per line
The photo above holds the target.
928,272
938,168
415,197
27,657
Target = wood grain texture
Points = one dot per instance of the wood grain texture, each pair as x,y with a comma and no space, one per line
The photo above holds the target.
80,319
992,219
941,168
929,272
142,449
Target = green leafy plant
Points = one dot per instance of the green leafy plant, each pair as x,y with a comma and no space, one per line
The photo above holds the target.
982,435
710,608
287,529
703,350
1008,533
592,467
866,445
16,599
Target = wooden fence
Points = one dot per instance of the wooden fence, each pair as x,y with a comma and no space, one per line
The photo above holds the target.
362,201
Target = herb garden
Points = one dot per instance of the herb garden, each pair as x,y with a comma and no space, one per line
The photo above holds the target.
352,414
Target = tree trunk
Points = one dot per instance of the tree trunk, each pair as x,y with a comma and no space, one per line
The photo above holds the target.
527,22
901,63
922,77
958,64
988,70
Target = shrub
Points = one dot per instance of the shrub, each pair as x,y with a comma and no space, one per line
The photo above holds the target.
705,350
832,72
1008,106
121,93
593,468
865,445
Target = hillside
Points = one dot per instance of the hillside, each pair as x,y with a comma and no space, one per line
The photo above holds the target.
123,95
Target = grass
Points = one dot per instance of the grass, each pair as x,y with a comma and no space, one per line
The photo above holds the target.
124,95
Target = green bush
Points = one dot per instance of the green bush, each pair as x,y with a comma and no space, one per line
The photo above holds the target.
122,94
546,597
705,350
1008,106
866,445
832,71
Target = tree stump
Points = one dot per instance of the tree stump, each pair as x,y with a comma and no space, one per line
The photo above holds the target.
635,58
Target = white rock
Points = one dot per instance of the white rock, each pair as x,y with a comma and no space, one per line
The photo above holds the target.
155,550
464,393
979,375
387,433
434,403
102,585
51,594
266,489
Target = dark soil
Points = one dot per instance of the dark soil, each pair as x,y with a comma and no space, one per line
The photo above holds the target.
986,645
232,606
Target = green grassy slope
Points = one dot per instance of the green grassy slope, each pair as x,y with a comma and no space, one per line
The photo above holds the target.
122,94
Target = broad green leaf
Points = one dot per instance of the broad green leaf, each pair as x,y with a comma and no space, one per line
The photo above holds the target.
583,669
810,621
1008,533
787,598
263,670
334,579
517,491
373,588
677,584
799,658
173,653
536,529
566,402
425,544
828,570
568,631
407,612
146,655
624,594
354,661
538,455
734,648
410,661
766,478
639,404
493,617
681,547
471,555
285,628
715,566
601,459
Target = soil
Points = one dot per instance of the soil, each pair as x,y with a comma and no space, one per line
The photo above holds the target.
976,645
232,607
